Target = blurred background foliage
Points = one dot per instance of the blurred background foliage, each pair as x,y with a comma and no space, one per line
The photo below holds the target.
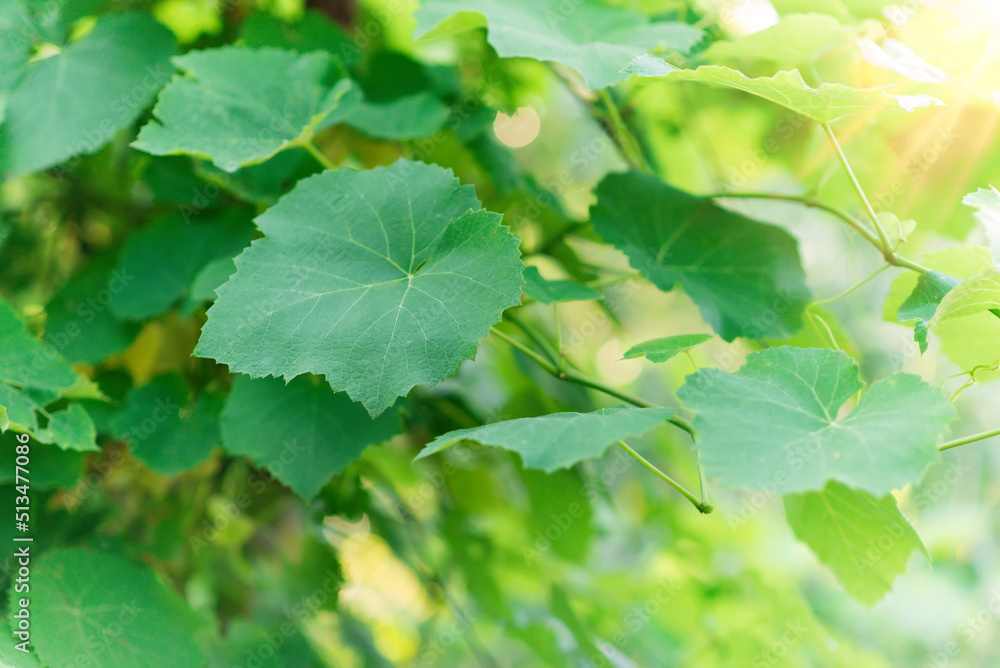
467,559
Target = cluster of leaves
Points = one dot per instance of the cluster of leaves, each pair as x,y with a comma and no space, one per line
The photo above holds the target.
249,262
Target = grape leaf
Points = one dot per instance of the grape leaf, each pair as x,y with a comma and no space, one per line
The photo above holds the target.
50,466
922,303
237,106
26,361
75,101
160,261
559,440
109,610
970,297
549,292
314,32
745,276
987,205
595,39
164,430
72,429
378,280
78,320
795,40
824,104
302,432
661,350
778,423
864,540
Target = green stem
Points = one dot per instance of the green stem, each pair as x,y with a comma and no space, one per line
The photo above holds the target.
318,154
573,376
821,302
622,135
702,507
536,338
883,237
969,439
869,236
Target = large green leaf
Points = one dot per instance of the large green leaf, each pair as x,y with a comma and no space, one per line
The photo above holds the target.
780,423
378,280
864,540
75,101
164,429
559,440
745,275
26,361
110,611
595,39
238,106
78,320
824,104
302,432
795,40
160,262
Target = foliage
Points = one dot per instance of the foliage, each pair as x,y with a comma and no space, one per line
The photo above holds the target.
321,329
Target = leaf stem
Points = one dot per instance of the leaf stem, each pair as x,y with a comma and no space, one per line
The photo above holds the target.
882,236
702,507
890,257
573,376
622,135
829,300
969,439
318,154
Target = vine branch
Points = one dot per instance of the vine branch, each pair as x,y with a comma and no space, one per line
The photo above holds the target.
969,439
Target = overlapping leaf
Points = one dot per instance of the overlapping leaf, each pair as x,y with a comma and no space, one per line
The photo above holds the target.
795,40
379,280
160,262
34,375
823,104
302,432
780,423
864,540
745,275
100,605
558,440
595,39
75,101
551,292
971,297
922,303
238,106
661,350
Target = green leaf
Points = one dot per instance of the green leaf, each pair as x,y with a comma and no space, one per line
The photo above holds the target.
74,102
970,297
745,276
661,350
164,430
780,423
559,440
73,429
26,361
795,40
397,100
302,432
931,288
864,540
987,205
314,32
78,320
595,39
237,106
549,292
825,104
160,261
110,609
835,8
207,281
379,280
51,467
